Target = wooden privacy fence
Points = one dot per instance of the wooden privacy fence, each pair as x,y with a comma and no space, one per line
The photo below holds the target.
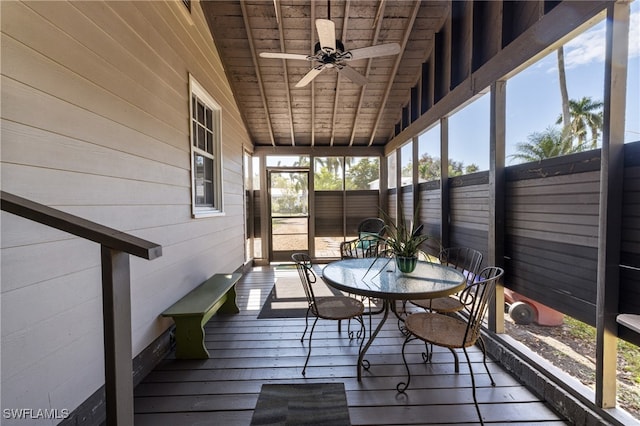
550,227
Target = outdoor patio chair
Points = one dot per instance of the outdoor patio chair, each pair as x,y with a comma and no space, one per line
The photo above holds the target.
456,332
368,243
467,261
329,307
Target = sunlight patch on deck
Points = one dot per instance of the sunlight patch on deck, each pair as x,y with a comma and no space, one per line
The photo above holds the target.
253,302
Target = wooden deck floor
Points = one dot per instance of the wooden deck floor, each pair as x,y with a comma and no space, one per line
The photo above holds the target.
247,352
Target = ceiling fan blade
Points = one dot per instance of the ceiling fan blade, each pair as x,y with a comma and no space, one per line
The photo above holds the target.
309,76
326,34
375,51
353,75
282,55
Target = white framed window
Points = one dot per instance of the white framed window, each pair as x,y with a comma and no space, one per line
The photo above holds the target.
206,153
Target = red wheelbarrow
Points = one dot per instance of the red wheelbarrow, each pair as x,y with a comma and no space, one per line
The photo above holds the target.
523,310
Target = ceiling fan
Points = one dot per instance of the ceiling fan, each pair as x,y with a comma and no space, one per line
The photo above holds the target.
330,53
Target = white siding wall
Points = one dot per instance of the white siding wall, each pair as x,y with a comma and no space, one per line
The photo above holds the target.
95,122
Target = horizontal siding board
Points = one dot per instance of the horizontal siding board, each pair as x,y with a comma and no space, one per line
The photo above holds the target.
630,291
22,104
632,155
96,122
468,237
430,215
158,120
525,216
90,189
516,205
576,182
560,275
84,158
582,162
630,235
328,213
469,214
473,179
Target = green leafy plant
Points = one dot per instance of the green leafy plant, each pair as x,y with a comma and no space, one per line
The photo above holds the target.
403,239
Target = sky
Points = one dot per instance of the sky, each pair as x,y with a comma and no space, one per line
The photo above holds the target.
533,97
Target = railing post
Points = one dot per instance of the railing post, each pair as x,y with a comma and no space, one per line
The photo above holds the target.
116,311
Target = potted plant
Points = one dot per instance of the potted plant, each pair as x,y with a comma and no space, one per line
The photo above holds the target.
403,241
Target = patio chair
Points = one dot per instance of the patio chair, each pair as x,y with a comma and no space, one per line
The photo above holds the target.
368,243
330,307
456,332
467,261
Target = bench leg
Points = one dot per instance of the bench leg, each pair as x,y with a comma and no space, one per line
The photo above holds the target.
230,306
190,338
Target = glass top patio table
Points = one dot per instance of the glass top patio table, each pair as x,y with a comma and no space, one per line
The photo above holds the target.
379,278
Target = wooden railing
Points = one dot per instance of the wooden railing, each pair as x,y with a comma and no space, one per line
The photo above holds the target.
116,247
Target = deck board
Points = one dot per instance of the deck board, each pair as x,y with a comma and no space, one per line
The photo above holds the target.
247,352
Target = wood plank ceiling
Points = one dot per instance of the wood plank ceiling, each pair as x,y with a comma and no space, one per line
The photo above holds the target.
332,110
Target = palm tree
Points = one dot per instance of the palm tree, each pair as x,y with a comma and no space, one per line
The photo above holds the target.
586,115
564,93
546,144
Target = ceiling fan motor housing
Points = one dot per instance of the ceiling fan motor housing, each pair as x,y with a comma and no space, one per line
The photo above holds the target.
318,49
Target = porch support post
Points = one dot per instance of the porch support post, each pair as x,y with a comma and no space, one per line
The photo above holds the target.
116,311
444,182
611,182
416,176
398,205
496,197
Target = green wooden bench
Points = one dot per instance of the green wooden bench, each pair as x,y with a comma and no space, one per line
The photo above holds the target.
191,313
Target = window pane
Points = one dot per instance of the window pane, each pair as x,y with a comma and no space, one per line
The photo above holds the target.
328,173
287,161
469,138
256,173
209,142
406,155
208,123
201,138
203,180
200,113
391,169
362,173
198,177
429,155
207,172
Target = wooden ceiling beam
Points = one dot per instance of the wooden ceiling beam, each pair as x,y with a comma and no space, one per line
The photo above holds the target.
378,27
256,65
285,74
337,95
396,65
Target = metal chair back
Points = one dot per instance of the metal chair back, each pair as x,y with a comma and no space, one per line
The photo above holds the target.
464,259
476,298
307,277
372,225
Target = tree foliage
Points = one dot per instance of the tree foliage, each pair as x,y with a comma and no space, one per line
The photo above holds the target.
585,117
546,144
362,174
429,168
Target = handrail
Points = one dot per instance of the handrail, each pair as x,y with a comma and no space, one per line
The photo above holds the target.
116,294
80,227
